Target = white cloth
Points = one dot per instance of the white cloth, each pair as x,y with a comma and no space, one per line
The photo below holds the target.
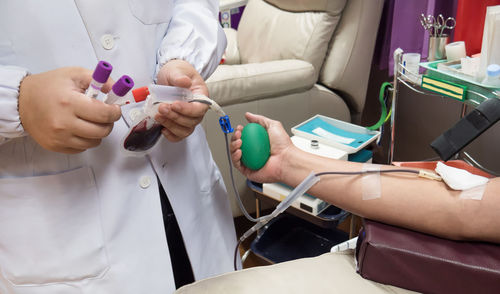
459,179
90,223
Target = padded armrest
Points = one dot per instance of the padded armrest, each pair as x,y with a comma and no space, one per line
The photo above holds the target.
231,84
232,51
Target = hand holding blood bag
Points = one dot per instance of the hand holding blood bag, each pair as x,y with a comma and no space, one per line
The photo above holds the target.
144,134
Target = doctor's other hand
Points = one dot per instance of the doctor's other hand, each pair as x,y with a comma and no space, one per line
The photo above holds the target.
55,112
180,118
281,148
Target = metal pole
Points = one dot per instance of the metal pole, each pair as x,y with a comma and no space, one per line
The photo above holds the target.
397,60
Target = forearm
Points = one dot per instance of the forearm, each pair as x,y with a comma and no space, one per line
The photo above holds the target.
406,200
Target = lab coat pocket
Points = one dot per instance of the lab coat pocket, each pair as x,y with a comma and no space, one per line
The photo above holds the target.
50,229
151,11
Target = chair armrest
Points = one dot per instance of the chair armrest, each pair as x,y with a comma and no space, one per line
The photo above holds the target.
232,51
232,84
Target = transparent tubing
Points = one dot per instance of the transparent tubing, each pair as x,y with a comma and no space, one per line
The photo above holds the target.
238,198
305,185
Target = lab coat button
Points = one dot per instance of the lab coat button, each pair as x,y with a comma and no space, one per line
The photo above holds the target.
145,181
107,41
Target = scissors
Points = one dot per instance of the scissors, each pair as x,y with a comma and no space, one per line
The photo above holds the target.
428,23
442,24
437,25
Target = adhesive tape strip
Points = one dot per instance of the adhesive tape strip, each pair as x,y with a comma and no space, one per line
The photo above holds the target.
475,193
455,50
371,186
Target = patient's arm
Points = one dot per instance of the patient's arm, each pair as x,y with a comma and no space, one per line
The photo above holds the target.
406,200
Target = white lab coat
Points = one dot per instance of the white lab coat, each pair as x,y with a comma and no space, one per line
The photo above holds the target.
92,222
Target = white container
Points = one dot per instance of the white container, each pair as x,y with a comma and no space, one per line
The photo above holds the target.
410,62
455,50
492,78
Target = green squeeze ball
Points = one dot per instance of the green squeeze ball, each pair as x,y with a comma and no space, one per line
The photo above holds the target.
255,146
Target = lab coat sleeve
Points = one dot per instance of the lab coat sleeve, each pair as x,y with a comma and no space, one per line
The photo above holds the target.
195,35
10,123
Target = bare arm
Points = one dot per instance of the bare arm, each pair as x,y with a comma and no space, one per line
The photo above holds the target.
407,200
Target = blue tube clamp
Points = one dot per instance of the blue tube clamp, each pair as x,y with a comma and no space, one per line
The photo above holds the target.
225,124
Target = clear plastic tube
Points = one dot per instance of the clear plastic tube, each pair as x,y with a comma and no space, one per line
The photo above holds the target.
170,94
305,185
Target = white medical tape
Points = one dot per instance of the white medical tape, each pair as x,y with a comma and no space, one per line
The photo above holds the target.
475,193
371,185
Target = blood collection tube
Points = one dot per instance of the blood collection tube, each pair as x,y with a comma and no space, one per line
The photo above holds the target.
99,77
118,92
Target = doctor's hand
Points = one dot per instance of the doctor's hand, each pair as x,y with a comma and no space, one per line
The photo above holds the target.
281,148
180,117
56,113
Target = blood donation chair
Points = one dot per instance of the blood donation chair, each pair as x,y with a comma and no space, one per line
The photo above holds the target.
290,60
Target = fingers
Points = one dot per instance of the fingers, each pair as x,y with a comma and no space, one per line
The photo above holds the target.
72,145
82,77
184,113
176,73
237,133
235,146
180,118
96,111
79,143
174,133
261,120
90,130
236,159
106,87
181,73
178,79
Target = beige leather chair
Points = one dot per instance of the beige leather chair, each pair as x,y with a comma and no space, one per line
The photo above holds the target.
327,273
290,60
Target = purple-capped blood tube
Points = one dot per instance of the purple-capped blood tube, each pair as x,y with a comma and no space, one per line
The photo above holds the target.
99,77
119,90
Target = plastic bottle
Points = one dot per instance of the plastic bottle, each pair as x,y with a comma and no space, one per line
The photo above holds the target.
492,78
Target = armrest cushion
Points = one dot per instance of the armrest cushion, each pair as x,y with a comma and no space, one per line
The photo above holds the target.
231,84
232,52
416,261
